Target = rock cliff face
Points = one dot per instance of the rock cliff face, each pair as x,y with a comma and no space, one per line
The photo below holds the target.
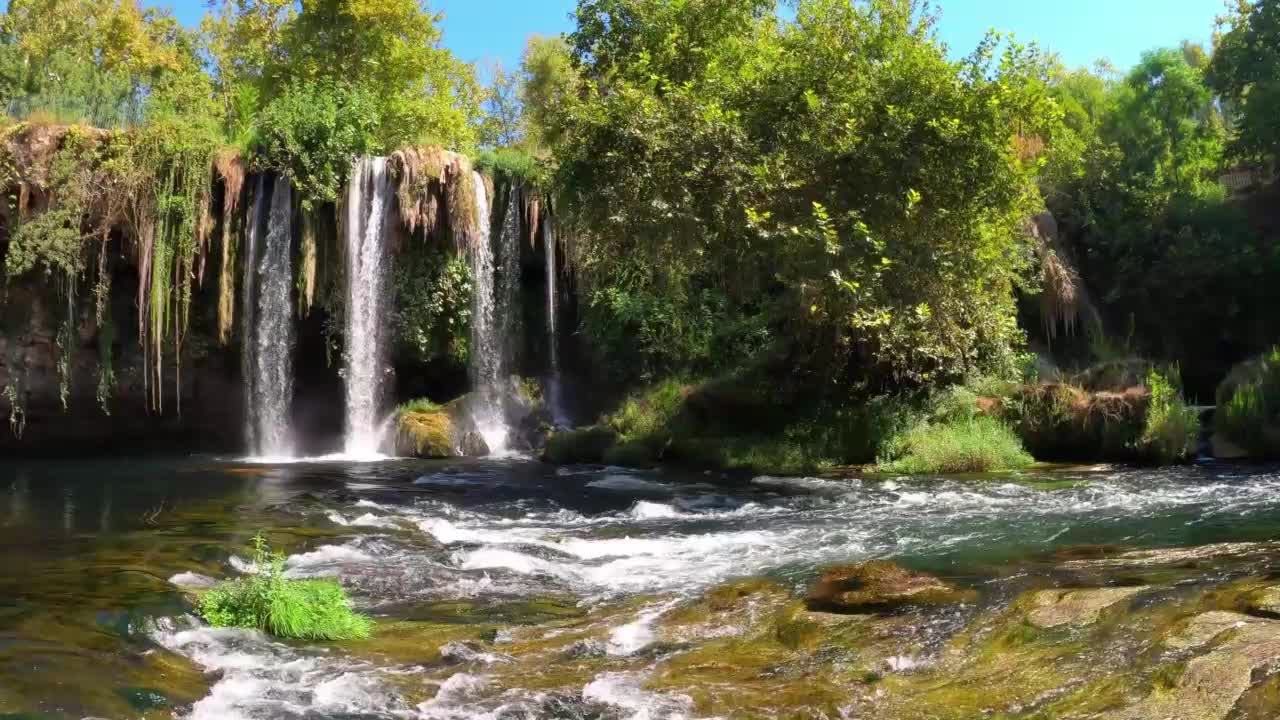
40,361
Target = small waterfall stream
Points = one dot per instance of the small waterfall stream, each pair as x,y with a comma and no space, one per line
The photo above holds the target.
555,390
368,198
488,363
268,322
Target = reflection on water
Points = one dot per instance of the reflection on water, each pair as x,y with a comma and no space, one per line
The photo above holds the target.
90,623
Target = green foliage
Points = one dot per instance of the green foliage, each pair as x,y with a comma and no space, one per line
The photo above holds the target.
976,444
1139,203
1248,412
298,609
388,51
432,313
513,164
1172,428
881,187
1245,71
311,131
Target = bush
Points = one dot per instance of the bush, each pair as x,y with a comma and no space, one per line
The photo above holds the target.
1249,406
977,444
1172,427
299,609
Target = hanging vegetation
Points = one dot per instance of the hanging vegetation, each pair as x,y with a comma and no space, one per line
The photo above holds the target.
230,166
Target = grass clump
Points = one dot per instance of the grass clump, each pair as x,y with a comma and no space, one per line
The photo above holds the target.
1248,411
297,609
421,405
964,445
1172,427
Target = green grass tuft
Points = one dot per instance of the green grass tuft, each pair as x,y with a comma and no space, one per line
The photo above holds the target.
1248,411
297,609
967,445
421,405
1172,427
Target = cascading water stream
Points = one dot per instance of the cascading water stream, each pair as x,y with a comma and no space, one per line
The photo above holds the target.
555,400
368,197
487,365
268,323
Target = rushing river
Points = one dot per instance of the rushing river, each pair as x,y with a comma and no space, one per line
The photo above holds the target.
505,589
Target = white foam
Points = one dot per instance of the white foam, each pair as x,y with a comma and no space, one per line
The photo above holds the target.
361,457
625,692
192,580
645,510
324,559
638,634
628,483
453,698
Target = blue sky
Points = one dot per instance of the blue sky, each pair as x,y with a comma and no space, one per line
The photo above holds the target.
1080,30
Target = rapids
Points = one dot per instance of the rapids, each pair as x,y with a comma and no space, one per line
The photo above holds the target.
508,588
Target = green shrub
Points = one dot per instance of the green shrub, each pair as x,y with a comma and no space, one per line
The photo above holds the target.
977,444
1248,411
1172,427
299,609
650,416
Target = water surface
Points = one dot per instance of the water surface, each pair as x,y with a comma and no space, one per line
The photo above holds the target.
504,555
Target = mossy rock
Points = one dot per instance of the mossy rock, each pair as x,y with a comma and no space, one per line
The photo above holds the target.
1074,607
583,445
881,586
1208,687
425,433
1264,602
631,454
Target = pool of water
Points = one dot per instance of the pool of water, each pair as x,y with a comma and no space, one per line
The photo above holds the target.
502,589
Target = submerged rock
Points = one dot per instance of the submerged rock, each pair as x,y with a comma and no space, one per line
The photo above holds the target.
878,586
1211,684
1079,607
1265,602
1203,628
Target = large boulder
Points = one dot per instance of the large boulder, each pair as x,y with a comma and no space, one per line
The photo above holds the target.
425,432
880,586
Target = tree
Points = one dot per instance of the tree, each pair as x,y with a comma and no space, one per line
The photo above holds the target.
503,122
1245,71
833,189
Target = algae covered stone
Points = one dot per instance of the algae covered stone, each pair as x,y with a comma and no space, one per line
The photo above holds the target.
1076,607
878,586
1265,602
426,431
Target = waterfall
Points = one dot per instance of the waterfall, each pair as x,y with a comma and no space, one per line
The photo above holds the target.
554,388
267,346
367,202
487,362
508,298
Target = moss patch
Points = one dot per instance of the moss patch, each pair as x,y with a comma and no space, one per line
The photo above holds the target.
425,431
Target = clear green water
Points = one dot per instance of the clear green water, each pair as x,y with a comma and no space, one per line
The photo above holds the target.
516,590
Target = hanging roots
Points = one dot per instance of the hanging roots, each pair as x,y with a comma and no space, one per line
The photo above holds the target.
419,174
230,166
463,220
307,273
1063,296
